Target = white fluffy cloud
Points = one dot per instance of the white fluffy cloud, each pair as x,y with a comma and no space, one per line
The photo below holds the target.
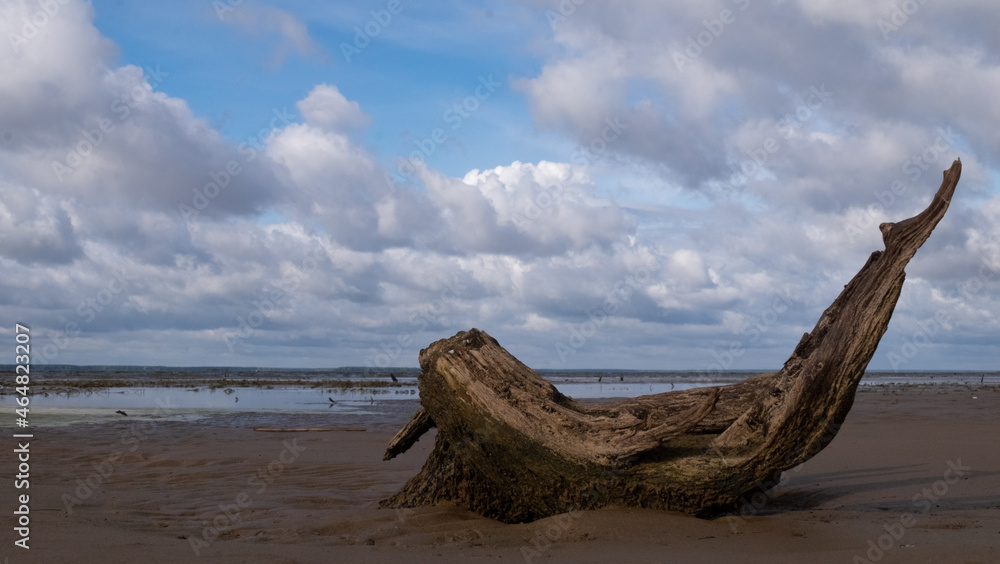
327,108
749,177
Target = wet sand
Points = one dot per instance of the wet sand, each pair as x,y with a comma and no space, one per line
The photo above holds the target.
913,476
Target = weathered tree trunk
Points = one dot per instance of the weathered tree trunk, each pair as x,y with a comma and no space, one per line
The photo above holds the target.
511,447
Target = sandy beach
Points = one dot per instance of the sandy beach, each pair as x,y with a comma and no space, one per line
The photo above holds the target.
913,476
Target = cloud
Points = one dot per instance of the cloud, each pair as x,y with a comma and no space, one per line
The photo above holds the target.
151,202
262,19
338,188
326,108
107,155
724,200
801,147
527,209
54,63
35,228
691,105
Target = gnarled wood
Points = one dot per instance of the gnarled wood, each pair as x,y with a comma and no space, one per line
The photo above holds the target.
512,447
419,424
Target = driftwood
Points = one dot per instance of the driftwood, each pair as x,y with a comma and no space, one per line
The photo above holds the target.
511,447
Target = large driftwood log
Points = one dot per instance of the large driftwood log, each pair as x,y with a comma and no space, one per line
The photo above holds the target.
511,447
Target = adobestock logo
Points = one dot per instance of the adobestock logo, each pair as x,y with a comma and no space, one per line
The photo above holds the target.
455,116
924,501
899,16
364,34
32,25
93,137
912,168
702,40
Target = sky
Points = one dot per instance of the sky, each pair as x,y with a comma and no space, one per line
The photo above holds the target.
679,185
